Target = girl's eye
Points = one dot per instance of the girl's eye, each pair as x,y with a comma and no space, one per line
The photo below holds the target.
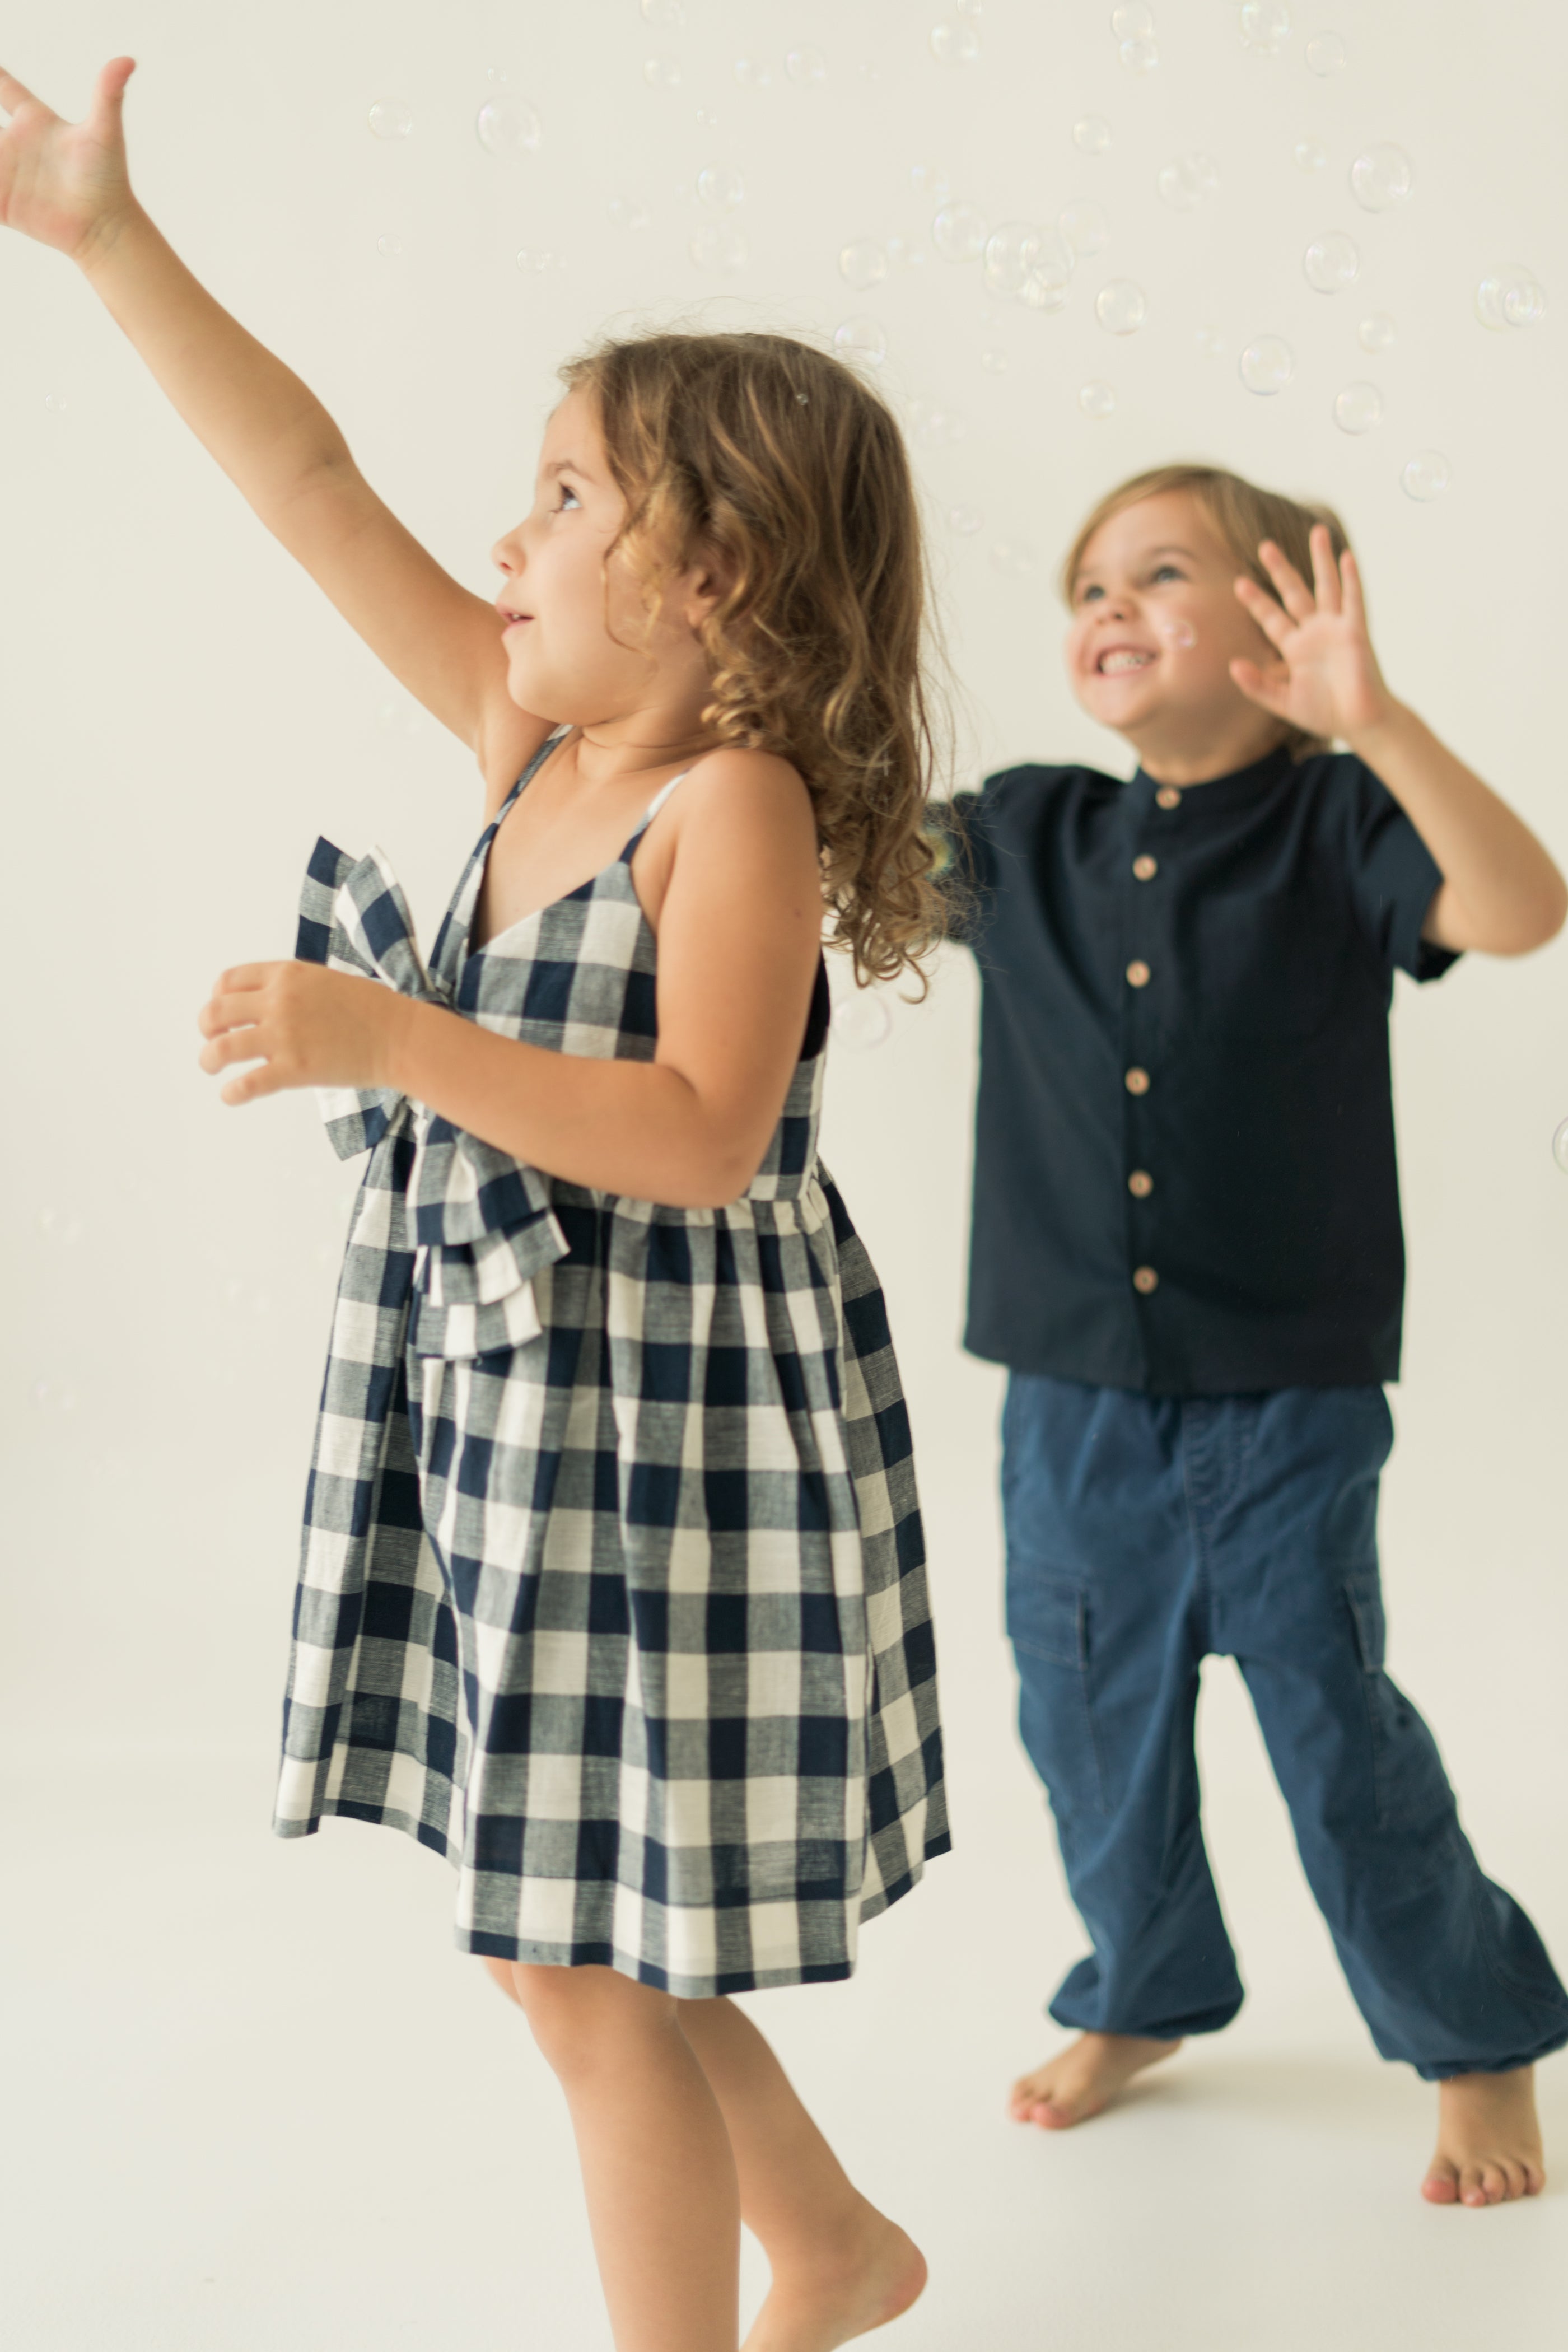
568,496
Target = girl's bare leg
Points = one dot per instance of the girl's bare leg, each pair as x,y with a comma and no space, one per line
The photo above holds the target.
663,2201
840,2268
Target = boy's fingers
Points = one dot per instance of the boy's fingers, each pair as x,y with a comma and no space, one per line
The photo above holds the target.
1267,687
15,93
1325,572
1294,592
109,94
1350,583
1269,614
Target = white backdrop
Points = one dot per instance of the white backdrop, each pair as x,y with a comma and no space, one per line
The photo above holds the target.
183,714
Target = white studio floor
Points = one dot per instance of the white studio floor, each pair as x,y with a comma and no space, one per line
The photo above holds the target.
258,2104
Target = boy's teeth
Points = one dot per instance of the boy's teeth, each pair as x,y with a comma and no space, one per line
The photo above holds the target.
1111,663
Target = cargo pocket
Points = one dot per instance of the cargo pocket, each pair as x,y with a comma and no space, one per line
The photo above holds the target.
1049,1625
1409,1783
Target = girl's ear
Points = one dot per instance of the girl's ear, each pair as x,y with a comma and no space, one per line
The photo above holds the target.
709,579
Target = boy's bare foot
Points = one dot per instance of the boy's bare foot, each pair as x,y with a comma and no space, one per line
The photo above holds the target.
1488,2140
873,2275
1083,2078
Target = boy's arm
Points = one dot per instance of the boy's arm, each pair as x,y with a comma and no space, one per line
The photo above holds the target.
1500,892
67,184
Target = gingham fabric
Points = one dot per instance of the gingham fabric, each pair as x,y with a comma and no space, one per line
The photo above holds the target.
612,1586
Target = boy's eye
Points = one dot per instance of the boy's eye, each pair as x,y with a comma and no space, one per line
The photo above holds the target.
1168,571
1088,595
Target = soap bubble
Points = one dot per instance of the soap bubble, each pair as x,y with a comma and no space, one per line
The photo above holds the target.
1427,475
965,520
1381,178
860,1019
1310,154
663,12
954,45
507,127
1019,251
388,247
1331,262
1141,56
1046,287
808,66
1509,297
720,248
1265,26
1184,183
390,118
708,120
1092,134
1178,634
903,255
720,188
661,73
1358,407
532,258
1325,53
1085,230
863,264
1014,558
994,362
62,1225
1132,23
930,181
1097,398
958,232
1121,307
1560,1147
936,425
753,73
624,212
1211,343
1267,365
861,339
54,402
1376,332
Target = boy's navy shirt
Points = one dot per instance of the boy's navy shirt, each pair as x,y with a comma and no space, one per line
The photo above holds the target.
1184,1176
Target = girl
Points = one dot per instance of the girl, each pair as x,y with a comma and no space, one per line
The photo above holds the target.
611,1584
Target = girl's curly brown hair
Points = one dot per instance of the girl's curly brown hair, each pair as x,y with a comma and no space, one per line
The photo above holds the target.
775,461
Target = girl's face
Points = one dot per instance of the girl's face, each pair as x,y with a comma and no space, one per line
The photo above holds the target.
1155,625
579,646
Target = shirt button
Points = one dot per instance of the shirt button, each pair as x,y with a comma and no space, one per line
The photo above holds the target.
1137,973
1167,797
1145,1279
1137,1081
1145,867
1140,1184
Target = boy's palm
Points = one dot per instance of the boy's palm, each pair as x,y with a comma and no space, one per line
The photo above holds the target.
59,180
1326,680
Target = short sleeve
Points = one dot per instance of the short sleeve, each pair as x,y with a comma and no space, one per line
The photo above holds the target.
1394,879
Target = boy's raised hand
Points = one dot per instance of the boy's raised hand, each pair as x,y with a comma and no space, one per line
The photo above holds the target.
60,181
1326,679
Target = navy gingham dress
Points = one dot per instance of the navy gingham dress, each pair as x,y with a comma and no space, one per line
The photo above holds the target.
612,1586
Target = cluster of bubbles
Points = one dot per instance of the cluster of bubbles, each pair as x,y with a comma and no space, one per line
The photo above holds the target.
1135,44
1184,183
1509,297
957,44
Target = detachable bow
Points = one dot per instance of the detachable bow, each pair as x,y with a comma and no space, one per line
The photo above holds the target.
482,1222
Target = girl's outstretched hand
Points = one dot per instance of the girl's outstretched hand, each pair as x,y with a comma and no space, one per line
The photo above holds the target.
1326,679
302,1026
63,181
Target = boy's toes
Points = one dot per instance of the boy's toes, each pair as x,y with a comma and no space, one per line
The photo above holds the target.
1441,2186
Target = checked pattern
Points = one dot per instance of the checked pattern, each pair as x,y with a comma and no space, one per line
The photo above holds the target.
612,1585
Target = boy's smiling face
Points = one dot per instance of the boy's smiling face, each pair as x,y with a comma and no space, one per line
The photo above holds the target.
1156,626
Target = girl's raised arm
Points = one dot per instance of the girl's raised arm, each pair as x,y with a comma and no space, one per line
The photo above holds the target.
67,184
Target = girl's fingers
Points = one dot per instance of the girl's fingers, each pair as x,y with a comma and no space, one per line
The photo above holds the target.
108,98
1271,616
15,93
229,1012
1325,572
1289,586
233,1045
252,1087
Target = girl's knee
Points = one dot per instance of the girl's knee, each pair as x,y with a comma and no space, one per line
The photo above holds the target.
504,1974
583,2017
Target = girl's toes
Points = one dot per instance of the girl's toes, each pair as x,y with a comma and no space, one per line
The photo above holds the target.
1535,2180
1441,2186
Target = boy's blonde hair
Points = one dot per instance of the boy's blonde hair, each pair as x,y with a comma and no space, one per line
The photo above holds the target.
1240,513
776,462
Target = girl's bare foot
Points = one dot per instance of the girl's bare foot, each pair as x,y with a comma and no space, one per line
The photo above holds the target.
873,2275
1488,2140
1083,2078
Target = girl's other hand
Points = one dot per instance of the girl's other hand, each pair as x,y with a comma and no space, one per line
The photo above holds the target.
63,183
302,1026
1326,679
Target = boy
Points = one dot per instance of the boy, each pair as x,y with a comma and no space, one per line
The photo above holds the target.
1187,1249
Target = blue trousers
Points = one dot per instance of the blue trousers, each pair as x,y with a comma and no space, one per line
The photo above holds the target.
1142,1534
